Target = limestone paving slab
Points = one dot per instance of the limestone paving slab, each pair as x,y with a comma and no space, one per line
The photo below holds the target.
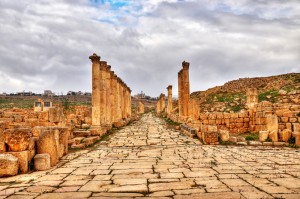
145,159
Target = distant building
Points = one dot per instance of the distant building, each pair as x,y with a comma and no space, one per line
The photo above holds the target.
23,93
48,93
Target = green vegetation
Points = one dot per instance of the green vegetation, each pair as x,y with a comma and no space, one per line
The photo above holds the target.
16,102
270,95
226,142
232,101
292,143
251,136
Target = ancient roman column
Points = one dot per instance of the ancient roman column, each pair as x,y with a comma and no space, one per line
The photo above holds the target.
96,79
180,109
113,91
122,100
185,88
170,106
103,97
119,106
162,102
141,108
129,105
108,93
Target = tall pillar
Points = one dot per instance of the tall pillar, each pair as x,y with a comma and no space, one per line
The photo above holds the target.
170,105
119,106
162,102
129,105
96,79
185,88
113,91
180,99
103,100
108,93
122,100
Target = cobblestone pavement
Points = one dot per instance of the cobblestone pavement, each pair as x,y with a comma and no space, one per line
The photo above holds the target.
147,160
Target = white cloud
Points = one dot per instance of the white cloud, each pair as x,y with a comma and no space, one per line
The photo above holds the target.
46,44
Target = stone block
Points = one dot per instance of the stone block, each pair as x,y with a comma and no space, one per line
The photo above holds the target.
224,135
263,135
55,114
42,162
212,128
273,135
210,138
285,135
90,140
17,139
296,127
48,143
81,133
31,122
8,165
242,143
43,115
241,139
233,139
255,143
22,160
281,144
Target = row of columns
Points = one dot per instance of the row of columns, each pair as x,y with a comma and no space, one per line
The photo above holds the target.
111,97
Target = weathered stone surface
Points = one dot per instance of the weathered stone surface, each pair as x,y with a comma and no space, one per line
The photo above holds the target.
23,160
2,142
42,162
17,139
47,143
273,135
286,134
263,135
272,126
224,134
8,165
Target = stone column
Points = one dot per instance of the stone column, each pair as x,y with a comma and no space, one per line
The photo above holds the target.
141,108
119,106
108,94
162,102
129,105
170,105
113,91
96,79
122,100
103,100
180,109
185,88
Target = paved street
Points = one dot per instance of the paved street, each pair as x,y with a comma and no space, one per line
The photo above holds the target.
147,160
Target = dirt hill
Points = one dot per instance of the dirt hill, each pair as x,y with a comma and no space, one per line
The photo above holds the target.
232,95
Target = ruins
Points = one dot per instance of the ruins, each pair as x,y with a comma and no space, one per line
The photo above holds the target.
43,135
280,121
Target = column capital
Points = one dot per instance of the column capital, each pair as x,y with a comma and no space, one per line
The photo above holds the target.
103,65
185,65
95,58
169,87
180,72
108,67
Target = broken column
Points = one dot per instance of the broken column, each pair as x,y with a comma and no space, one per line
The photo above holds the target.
96,82
180,109
185,91
141,108
252,98
170,106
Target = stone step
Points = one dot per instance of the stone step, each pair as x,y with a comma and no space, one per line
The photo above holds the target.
81,133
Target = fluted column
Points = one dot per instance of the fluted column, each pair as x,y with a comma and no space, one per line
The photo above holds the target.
96,79
113,91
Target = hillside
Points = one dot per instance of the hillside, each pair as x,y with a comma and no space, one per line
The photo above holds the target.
232,95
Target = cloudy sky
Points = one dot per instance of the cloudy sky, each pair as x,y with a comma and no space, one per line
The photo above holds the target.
45,44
